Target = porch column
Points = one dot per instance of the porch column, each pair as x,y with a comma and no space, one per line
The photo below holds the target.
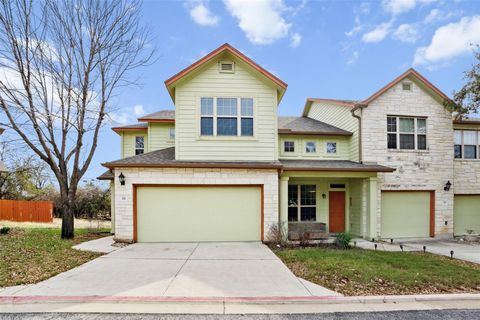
112,206
284,206
372,208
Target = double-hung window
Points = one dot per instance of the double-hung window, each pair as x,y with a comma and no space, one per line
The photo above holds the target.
226,116
302,203
467,144
406,133
139,145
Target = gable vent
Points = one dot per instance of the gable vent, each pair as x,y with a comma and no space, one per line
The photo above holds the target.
227,67
407,86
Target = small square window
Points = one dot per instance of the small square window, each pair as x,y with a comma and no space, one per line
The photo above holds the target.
289,146
331,147
407,86
311,147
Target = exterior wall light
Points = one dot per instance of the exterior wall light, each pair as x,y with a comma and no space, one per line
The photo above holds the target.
447,186
121,178
324,196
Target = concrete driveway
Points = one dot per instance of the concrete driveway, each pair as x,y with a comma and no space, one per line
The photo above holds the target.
180,270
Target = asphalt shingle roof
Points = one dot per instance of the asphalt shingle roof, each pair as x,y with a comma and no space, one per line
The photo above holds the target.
304,125
160,115
141,125
332,165
107,175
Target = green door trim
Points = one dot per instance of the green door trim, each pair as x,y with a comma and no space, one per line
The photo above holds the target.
135,186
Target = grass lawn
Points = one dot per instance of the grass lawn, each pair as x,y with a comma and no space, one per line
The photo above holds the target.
32,255
365,272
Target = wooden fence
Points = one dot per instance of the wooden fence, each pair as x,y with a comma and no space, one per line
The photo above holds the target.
31,211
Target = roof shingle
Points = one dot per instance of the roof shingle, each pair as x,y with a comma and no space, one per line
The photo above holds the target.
304,125
165,115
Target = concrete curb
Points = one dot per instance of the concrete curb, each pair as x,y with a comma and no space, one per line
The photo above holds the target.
243,300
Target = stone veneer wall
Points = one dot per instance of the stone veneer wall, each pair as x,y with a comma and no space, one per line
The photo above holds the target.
124,194
467,177
416,170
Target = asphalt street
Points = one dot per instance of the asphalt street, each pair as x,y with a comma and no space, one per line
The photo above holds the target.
396,315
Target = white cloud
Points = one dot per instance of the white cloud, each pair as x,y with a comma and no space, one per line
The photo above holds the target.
353,58
356,29
138,110
201,14
436,15
296,39
396,7
261,20
377,34
407,33
449,41
121,118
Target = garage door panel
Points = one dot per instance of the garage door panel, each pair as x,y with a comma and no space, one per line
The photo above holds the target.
466,214
198,214
405,214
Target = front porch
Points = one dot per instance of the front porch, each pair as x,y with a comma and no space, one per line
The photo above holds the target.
318,205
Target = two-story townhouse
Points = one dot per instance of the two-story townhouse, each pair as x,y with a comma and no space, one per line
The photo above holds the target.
224,167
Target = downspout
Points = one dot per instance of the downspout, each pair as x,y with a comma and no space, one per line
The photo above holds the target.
359,118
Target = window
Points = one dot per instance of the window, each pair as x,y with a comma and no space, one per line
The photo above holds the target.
289,146
139,145
466,144
310,147
406,86
226,67
331,147
302,203
406,133
226,116
171,133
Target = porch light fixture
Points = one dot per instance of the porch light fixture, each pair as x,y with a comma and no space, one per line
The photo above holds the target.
121,178
447,186
324,196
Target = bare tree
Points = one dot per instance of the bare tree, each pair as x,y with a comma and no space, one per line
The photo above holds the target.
61,62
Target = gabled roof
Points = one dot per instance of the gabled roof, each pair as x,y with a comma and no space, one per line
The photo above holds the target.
338,102
159,116
131,127
308,126
170,83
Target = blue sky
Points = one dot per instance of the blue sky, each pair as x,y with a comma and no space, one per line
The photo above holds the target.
327,49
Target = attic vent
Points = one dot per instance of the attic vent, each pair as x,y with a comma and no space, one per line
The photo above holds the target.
226,67
407,86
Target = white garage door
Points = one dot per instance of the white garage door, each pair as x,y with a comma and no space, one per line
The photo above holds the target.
199,213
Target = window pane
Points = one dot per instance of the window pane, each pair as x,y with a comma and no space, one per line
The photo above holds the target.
289,146
139,142
247,107
407,124
458,137
458,151
247,127
172,133
311,147
407,141
293,214
292,195
308,214
392,141
422,142
227,106
469,137
331,147
391,124
308,195
421,126
206,126
470,152
206,106
226,126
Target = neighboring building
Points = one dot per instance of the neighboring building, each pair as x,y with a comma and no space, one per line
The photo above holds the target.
225,167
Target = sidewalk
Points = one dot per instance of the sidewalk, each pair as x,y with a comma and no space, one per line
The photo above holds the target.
269,305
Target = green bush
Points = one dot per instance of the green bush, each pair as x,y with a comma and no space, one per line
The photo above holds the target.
4,230
343,240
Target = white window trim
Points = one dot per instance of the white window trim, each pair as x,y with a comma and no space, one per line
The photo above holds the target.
299,204
284,149
238,116
336,147
415,133
477,145
314,146
170,136
135,142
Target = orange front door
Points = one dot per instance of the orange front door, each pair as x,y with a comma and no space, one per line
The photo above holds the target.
336,215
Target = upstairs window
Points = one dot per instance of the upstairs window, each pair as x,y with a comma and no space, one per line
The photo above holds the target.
406,133
139,145
331,147
171,133
226,116
288,146
467,144
310,147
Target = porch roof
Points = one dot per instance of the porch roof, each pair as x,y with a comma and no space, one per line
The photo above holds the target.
107,175
332,165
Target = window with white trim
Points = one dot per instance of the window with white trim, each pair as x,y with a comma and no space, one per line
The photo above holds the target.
467,144
139,145
289,146
226,116
171,133
302,202
406,133
310,147
331,147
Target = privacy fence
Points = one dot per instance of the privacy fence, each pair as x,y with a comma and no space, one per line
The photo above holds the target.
31,211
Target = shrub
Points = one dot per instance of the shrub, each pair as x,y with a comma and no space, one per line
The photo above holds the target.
4,230
343,240
277,234
304,238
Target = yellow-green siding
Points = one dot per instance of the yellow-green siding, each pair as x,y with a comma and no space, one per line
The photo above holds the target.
208,82
343,145
357,205
341,117
466,215
198,214
159,136
128,142
405,214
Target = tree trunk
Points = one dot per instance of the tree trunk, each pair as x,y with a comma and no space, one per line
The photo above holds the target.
67,218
